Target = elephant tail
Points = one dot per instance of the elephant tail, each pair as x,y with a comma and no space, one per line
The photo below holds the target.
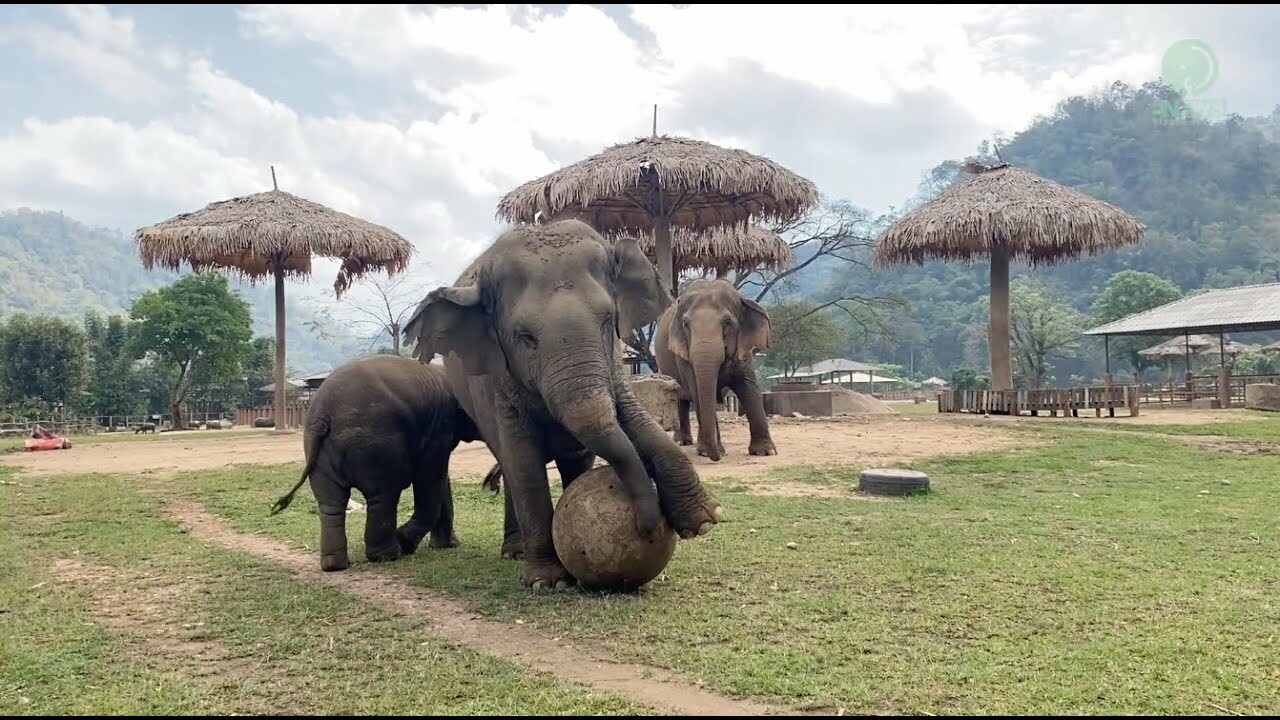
287,498
493,478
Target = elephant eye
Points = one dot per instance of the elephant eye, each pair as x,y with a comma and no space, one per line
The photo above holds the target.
527,338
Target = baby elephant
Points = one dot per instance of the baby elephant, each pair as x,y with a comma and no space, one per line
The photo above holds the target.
146,427
380,424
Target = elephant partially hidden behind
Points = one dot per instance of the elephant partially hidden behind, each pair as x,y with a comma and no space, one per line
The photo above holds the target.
380,424
528,334
705,342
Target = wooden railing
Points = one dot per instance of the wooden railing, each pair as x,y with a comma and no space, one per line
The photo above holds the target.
295,415
1068,401
1199,387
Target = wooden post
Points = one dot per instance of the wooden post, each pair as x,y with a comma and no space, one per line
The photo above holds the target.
281,421
998,330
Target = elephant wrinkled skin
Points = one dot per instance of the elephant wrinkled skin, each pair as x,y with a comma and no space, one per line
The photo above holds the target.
380,424
705,342
529,334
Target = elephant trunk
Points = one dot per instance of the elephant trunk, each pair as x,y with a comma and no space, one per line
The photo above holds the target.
584,404
706,356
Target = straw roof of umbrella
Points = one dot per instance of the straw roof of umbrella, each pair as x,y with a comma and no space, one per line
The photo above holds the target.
1272,348
253,235
1230,347
273,234
1177,347
1039,220
654,183
724,249
704,185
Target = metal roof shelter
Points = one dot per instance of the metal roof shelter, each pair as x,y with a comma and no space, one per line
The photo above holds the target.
831,367
1243,309
1251,308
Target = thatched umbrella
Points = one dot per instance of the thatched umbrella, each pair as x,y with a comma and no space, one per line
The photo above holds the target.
723,249
659,182
1005,212
1272,348
1173,347
273,234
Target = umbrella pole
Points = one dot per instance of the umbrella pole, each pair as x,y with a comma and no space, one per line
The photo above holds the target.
281,422
998,332
662,249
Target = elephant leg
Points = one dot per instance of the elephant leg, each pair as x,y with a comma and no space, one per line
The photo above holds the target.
572,466
512,540
331,501
430,484
380,541
524,466
747,389
689,509
684,435
442,535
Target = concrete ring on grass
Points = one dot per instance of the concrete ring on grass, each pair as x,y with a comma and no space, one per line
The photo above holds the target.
891,481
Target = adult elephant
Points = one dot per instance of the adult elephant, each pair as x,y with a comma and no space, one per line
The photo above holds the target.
705,341
528,333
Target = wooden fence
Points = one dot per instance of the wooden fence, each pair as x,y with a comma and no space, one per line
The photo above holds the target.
1199,387
295,415
1068,401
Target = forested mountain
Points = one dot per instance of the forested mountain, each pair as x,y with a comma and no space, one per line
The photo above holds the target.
1208,192
52,264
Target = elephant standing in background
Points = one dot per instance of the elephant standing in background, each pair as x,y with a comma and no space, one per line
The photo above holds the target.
529,335
705,343
380,424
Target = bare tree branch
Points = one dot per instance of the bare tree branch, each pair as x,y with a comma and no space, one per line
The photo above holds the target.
383,313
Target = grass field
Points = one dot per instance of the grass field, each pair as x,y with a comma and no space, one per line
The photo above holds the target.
1107,568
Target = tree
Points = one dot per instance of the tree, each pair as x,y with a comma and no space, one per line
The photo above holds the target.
114,388
43,363
1041,327
259,367
837,236
196,326
1126,293
381,314
801,334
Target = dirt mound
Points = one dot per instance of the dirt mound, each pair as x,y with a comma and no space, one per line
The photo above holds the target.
848,402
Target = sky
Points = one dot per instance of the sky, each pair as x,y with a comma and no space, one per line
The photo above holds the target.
421,117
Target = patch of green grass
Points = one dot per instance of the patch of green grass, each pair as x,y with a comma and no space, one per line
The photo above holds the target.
1091,573
167,603
1248,425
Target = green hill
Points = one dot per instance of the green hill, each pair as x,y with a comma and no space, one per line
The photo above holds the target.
1208,192
52,264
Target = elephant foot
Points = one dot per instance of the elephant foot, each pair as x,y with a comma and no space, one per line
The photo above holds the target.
513,547
693,516
334,562
763,446
706,451
683,440
549,574
391,553
409,541
440,543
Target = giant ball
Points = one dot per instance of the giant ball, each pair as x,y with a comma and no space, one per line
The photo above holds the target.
595,536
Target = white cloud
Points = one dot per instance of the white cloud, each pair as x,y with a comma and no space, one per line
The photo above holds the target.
101,48
505,94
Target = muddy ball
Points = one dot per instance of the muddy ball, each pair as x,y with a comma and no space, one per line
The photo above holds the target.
595,535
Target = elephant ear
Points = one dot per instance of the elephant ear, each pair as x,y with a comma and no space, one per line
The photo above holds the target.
754,329
453,320
639,292
677,337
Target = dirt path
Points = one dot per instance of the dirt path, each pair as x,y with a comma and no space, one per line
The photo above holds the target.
448,619
868,441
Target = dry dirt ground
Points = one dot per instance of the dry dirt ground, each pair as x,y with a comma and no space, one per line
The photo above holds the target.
869,440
